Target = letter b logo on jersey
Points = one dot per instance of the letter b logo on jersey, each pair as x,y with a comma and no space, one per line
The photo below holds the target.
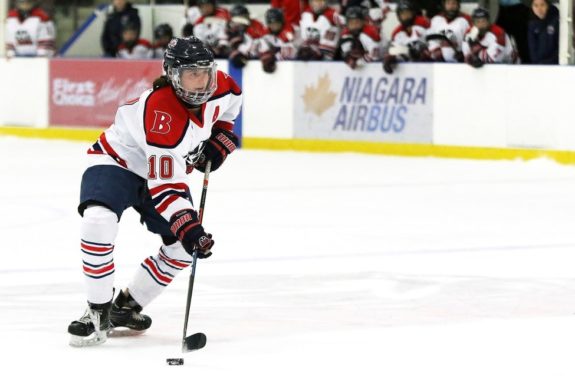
161,123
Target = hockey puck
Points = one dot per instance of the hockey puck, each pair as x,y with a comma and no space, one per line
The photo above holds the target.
175,361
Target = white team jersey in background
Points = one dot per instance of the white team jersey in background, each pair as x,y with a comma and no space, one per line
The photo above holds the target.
32,36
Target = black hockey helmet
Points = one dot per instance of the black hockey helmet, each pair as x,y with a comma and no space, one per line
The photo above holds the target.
190,57
274,15
355,12
406,5
163,31
480,13
240,10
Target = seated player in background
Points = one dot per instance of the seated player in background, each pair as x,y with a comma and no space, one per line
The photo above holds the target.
29,31
212,23
487,43
408,39
278,43
360,42
320,30
445,35
142,161
132,46
238,42
163,34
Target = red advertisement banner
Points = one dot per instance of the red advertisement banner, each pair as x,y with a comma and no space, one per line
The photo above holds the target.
88,92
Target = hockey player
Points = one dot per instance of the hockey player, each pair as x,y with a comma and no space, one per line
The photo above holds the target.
445,36
408,39
278,43
212,24
360,41
29,31
238,42
132,46
163,34
141,161
319,29
487,43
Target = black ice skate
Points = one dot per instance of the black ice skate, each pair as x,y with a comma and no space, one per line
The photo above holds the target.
126,313
92,327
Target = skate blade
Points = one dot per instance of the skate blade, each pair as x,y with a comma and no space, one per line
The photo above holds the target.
88,341
119,332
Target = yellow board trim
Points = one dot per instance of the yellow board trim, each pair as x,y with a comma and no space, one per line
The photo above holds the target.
386,148
406,149
53,133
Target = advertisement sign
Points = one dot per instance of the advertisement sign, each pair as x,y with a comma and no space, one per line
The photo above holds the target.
88,92
333,101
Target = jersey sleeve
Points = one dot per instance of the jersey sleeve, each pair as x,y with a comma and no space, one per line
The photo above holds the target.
167,143
10,40
227,118
46,38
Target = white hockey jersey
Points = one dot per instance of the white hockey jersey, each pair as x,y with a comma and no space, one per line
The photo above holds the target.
403,37
494,47
156,137
141,51
282,45
445,37
32,36
209,28
366,47
321,31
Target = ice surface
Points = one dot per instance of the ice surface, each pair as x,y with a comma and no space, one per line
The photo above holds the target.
327,268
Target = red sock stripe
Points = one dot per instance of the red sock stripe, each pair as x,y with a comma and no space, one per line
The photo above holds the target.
99,271
152,267
173,262
95,248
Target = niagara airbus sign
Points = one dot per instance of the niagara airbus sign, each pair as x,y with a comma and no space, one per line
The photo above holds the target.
366,104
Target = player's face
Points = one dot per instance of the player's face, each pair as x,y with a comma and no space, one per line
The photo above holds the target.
119,4
207,9
405,16
482,24
129,36
25,5
195,80
355,25
275,27
451,5
540,8
317,6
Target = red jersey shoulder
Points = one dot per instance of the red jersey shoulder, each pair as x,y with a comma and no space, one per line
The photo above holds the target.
226,84
395,32
421,21
256,29
371,31
13,13
145,43
165,118
331,15
499,34
39,13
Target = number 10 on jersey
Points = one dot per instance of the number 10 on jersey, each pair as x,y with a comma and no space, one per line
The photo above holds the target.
165,167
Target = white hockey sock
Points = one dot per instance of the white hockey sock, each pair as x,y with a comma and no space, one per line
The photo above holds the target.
157,272
99,230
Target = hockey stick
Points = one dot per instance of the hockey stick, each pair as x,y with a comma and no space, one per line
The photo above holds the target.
197,340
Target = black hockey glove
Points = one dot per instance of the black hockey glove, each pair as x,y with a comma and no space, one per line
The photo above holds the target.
475,61
389,63
307,53
187,228
238,59
221,143
268,62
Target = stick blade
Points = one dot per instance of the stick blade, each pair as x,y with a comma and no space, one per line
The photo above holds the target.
194,342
